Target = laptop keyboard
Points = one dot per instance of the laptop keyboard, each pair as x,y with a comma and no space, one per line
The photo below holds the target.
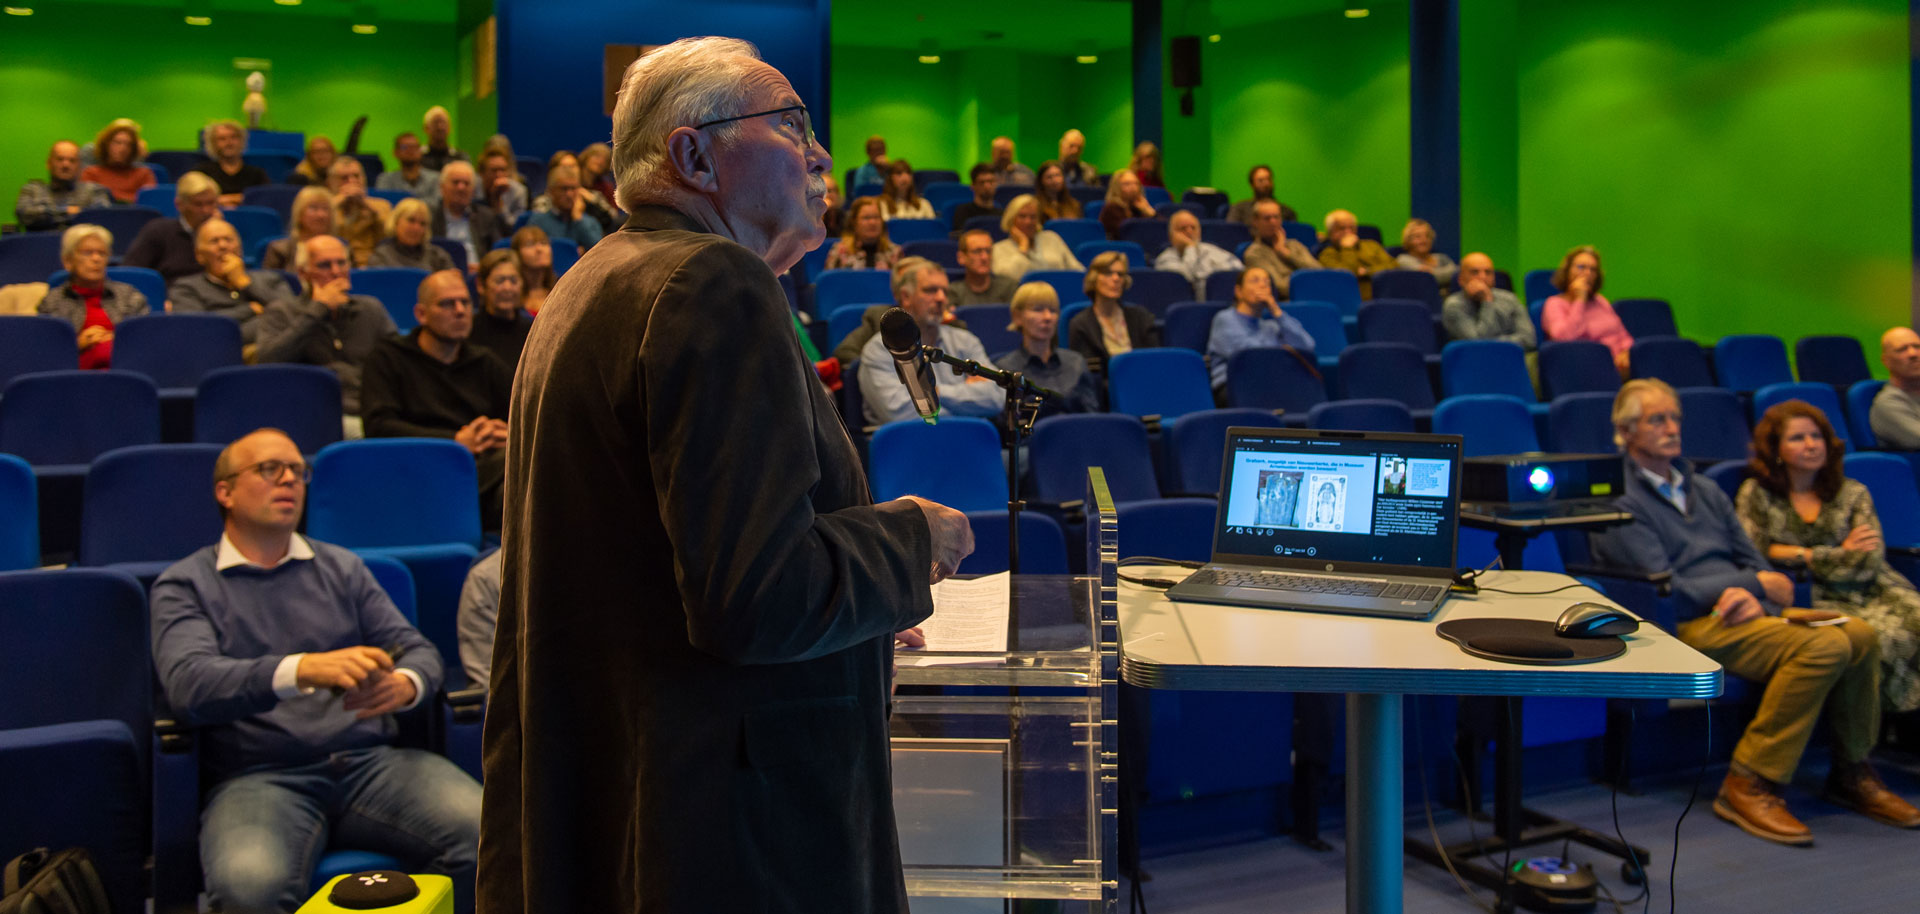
1305,583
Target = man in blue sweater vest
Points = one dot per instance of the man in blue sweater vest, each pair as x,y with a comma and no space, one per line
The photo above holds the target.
291,661
1732,607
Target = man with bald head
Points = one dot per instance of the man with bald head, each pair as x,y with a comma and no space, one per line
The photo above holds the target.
49,205
225,286
1006,171
327,325
1072,144
432,383
1896,410
291,661
699,601
462,219
1482,311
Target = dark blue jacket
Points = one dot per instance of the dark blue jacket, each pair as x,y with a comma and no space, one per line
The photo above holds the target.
1706,548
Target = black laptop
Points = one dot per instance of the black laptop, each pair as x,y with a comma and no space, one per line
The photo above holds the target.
1333,521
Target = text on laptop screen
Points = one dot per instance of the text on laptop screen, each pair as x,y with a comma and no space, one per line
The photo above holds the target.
1290,495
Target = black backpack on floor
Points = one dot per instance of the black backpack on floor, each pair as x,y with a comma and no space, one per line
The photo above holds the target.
44,882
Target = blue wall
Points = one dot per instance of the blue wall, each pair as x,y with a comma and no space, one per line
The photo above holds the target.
552,57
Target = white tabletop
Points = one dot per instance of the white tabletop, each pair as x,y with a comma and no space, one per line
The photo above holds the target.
1169,645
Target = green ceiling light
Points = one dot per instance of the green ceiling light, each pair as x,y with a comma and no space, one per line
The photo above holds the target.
929,51
288,2
19,10
199,12
1358,12
1213,38
364,20
1086,53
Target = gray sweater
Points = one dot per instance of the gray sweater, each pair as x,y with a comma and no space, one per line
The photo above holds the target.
1705,546
120,301
1501,317
306,331
1896,419
200,294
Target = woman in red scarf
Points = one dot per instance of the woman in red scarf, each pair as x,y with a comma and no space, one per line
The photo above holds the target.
88,300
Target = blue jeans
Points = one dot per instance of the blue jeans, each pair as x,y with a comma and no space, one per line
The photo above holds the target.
262,833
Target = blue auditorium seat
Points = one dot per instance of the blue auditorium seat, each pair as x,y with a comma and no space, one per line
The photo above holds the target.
1165,382
1489,424
1302,232
1390,371
301,400
1577,366
1076,232
1822,397
1645,317
1835,360
1673,359
148,506
1220,286
397,288
901,231
276,197
1224,234
956,462
1070,285
941,193
1582,423
1149,234
1485,367
1539,286
1188,324
254,223
834,288
1715,427
1728,475
942,250
1398,320
1323,322
391,196
1043,546
70,417
176,350
1272,378
147,282
19,515
1168,528
124,222
1890,480
989,323
1413,285
1746,362
1337,287
32,343
1137,258
1068,310
843,320
1158,290
1370,415
160,197
1064,446
1859,414
28,258
1196,445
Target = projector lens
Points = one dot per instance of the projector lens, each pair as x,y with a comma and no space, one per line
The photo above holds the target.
1541,479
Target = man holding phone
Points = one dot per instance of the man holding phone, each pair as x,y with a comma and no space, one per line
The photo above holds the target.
1733,608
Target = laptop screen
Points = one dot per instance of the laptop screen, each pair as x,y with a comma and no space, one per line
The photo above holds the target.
1290,497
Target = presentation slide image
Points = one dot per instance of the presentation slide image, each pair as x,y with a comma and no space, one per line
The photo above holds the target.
1327,501
1277,501
1278,490
1428,478
1393,475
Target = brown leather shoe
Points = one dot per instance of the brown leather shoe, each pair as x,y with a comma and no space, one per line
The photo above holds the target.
1858,788
1754,803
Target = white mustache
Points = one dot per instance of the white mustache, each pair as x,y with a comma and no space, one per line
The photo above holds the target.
817,186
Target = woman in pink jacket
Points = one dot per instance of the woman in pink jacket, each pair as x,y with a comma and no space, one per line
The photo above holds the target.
1580,312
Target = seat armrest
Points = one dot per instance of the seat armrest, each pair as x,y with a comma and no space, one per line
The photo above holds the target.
468,705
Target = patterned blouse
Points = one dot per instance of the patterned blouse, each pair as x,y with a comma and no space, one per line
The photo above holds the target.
1839,575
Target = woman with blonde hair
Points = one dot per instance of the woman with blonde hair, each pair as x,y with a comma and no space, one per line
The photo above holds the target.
312,215
1125,201
1036,317
1110,327
1028,247
119,169
1580,312
864,244
313,168
1416,242
899,198
407,244
1050,190
536,266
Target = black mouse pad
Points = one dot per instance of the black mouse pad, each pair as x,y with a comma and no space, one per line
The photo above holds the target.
1528,641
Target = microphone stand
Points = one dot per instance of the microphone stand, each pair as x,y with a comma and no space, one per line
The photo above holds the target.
1024,399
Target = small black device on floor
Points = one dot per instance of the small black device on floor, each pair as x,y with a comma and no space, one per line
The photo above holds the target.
373,889
1553,884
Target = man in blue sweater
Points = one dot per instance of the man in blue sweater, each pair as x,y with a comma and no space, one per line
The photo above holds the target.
1732,607
1254,321
291,661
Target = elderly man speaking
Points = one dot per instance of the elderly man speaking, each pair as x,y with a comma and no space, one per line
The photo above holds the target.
689,687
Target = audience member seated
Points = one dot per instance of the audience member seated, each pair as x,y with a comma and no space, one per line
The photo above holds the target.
44,206
407,244
327,325
1188,256
166,244
1051,192
874,169
501,181
899,199
1800,509
1029,247
864,245
1580,312
980,285
312,214
920,289
1036,315
985,182
1733,608
411,177
1125,201
567,214
225,286
436,125
1481,311
1145,165
1344,249
587,201
1896,409
500,323
363,220
1078,173
1417,239
432,383
1261,178
1273,251
313,168
119,169
459,218
849,349
1254,321
88,300
1006,171
596,172
1110,327
835,217
535,252
291,660
226,142
92,154
477,617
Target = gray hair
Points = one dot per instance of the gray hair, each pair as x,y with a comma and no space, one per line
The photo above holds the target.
1626,405
72,237
907,271
301,257
206,137
676,85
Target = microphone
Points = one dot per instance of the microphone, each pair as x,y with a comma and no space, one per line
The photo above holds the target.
900,333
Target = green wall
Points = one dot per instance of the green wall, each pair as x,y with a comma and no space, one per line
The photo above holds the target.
1748,162
70,68
944,115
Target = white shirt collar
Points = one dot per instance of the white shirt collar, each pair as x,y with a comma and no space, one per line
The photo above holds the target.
229,555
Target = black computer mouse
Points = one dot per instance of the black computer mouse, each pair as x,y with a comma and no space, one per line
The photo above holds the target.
1595,620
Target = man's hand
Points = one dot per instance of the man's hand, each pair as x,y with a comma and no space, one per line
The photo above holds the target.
496,433
1347,240
332,293
1778,586
91,335
952,536
1477,289
345,669
1736,606
73,209
382,693
1861,538
229,201
232,271
476,436
912,637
